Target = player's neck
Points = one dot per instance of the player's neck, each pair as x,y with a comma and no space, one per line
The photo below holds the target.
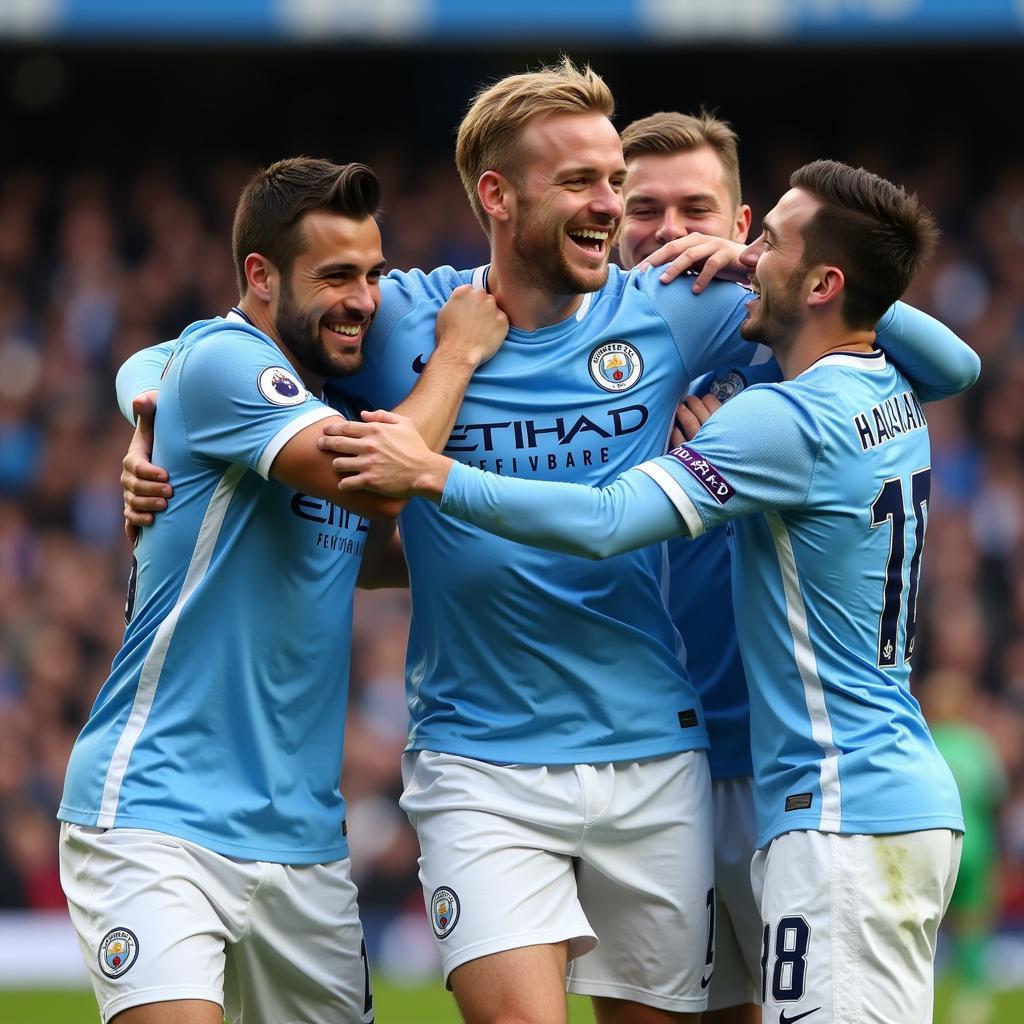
528,305
259,317
815,341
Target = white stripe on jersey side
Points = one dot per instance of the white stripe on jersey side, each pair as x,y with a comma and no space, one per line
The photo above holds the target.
807,666
676,495
153,665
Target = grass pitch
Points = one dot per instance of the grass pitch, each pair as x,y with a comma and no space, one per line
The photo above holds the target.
430,1004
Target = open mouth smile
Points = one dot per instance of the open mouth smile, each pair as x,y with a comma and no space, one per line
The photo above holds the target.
347,332
592,241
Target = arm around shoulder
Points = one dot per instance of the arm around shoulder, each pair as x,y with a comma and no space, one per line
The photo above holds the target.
303,465
140,373
933,358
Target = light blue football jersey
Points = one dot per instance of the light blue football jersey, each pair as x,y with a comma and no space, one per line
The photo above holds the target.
826,478
222,719
517,655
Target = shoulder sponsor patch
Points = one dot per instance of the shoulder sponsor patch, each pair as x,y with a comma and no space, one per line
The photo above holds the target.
444,911
119,949
616,366
281,387
698,467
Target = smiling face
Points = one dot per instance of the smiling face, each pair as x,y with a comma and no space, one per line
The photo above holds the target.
671,195
568,202
777,271
328,298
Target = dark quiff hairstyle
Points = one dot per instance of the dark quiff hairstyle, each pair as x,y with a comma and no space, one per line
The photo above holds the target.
270,210
876,233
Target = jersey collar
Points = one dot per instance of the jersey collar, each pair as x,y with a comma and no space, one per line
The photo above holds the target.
237,314
480,281
872,362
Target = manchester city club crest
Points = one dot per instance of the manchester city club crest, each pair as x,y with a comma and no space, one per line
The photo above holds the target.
616,366
727,386
118,951
444,911
281,387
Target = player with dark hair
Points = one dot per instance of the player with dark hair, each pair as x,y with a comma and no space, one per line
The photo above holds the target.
204,851
825,476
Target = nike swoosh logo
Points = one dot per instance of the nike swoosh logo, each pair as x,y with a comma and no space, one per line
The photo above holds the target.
704,982
419,364
783,1019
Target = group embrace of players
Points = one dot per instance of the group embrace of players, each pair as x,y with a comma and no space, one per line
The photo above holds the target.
598,807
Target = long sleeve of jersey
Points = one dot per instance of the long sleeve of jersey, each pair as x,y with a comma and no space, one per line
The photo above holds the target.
927,352
141,372
592,522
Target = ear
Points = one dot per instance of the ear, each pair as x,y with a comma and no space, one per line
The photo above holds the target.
260,276
741,223
497,195
827,284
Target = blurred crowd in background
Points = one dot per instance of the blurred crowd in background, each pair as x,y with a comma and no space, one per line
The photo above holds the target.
94,266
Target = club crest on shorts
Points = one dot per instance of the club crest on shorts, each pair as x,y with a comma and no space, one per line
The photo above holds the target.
444,911
616,366
281,387
119,949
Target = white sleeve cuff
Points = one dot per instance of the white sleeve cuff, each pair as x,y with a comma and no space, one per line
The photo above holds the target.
676,495
287,432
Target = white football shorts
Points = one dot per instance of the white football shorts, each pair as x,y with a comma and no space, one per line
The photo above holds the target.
850,924
523,855
161,918
737,977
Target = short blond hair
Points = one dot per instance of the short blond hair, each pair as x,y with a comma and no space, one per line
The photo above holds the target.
489,133
668,132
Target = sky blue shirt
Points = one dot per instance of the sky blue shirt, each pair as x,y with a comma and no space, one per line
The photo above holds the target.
517,655
826,477
520,656
222,720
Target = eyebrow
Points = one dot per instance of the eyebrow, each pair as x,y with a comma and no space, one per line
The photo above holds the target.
690,197
569,172
347,268
767,228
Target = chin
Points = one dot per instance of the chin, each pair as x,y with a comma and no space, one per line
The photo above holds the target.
750,330
592,279
347,364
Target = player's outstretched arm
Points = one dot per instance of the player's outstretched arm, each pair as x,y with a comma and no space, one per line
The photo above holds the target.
931,356
300,464
591,522
386,453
